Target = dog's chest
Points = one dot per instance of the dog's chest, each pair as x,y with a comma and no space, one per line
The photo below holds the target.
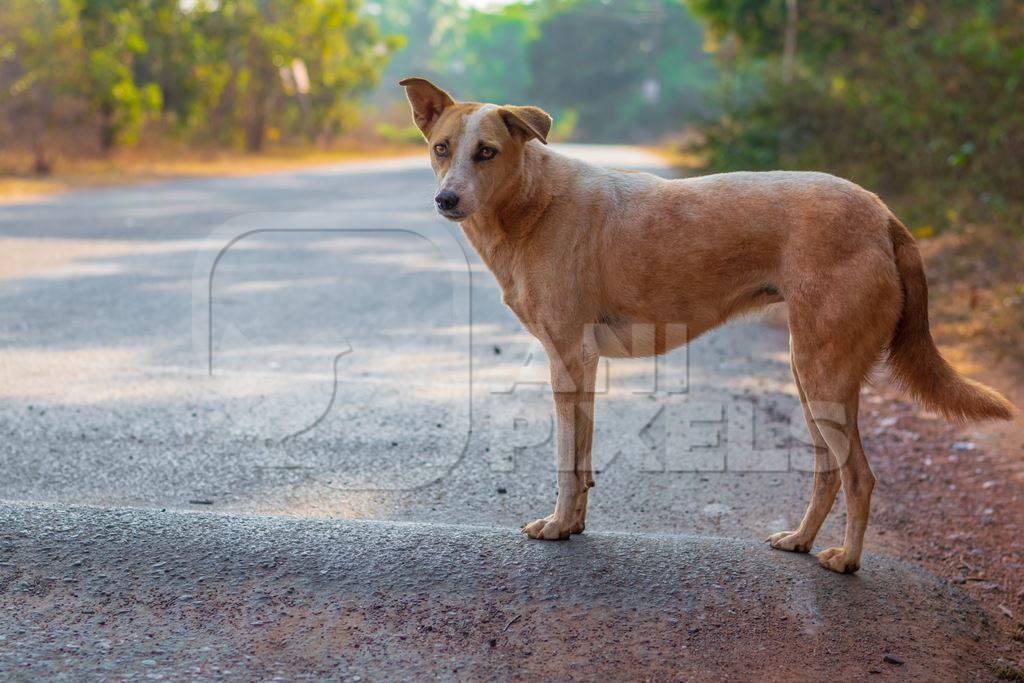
513,271
513,295
522,298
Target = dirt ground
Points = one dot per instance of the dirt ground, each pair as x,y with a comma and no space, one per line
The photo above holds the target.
951,498
129,167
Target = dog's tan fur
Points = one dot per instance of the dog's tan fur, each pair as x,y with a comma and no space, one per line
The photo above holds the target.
598,262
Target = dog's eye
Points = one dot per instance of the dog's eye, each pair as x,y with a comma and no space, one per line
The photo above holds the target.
486,153
441,149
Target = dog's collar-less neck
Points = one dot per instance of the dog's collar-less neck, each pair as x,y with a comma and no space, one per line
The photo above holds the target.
499,233
526,199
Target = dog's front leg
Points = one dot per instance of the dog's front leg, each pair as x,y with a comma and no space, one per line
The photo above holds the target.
572,380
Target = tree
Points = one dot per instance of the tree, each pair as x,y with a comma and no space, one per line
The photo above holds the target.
174,48
489,51
41,59
900,95
216,71
424,26
113,42
288,66
632,70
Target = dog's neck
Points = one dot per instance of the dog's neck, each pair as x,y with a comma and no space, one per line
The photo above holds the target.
514,216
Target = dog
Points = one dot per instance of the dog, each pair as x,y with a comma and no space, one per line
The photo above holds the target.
597,262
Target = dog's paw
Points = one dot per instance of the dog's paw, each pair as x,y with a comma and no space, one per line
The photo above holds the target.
551,529
792,541
838,560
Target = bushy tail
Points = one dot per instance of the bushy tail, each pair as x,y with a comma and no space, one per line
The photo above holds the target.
916,363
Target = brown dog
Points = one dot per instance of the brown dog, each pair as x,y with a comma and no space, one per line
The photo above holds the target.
597,263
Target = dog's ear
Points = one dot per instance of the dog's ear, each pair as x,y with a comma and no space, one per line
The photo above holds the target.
427,100
527,123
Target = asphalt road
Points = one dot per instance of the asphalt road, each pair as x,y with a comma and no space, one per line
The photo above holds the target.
137,594
317,344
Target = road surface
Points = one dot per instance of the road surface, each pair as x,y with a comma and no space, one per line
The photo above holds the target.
283,425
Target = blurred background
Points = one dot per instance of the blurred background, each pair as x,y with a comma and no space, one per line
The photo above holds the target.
919,101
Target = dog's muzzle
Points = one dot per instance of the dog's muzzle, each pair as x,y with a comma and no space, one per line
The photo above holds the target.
446,201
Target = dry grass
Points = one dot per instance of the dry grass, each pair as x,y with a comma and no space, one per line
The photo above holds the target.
977,300
677,152
147,165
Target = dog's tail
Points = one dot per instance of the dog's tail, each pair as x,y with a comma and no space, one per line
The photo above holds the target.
916,364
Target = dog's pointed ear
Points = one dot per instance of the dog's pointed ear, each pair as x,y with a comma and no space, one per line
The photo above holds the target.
427,100
527,123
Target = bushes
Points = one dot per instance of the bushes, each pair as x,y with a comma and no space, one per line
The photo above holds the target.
226,72
917,100
608,70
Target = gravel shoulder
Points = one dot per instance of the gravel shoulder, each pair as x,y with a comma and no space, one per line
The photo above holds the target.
951,499
89,593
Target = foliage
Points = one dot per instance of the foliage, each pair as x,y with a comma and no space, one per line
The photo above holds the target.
608,70
41,59
421,25
242,72
635,69
491,52
286,67
112,41
916,99
476,54
399,135
225,71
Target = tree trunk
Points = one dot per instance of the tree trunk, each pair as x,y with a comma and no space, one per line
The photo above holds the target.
108,132
40,113
255,132
40,162
789,46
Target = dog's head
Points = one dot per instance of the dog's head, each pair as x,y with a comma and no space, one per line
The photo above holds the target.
474,148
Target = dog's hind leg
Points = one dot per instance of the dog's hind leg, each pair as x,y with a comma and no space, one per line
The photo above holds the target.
831,383
841,317
825,488
832,358
843,440
831,373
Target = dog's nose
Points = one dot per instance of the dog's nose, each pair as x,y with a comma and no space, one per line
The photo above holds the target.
446,200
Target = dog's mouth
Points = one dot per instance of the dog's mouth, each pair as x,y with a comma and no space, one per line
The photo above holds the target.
453,214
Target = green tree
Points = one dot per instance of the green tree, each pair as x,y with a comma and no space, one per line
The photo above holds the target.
113,41
632,70
214,71
174,48
911,97
423,26
291,67
489,52
617,69
41,55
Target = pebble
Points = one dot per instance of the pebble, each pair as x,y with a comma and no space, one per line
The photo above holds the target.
893,659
